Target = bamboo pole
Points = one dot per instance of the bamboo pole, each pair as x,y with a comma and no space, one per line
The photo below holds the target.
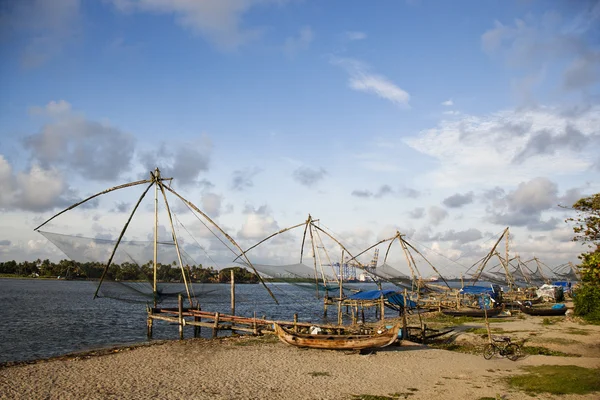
119,239
185,282
249,263
91,197
487,258
180,306
404,322
267,238
155,178
149,322
197,329
312,243
232,292
215,326
296,323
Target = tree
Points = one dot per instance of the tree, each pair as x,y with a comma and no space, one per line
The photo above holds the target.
587,223
587,230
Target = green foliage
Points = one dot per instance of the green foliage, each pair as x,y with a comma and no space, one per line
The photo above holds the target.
121,272
550,321
240,275
590,267
587,302
587,230
557,379
587,223
543,351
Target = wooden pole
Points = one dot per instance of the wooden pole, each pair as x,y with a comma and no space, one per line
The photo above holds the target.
180,307
254,326
156,176
197,332
149,323
404,322
296,323
487,322
232,292
215,326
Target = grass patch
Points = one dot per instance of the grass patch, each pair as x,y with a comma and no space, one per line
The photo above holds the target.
460,348
555,340
542,351
317,373
483,331
394,396
557,379
448,319
576,331
550,321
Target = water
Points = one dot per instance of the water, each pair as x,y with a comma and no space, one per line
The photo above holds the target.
45,318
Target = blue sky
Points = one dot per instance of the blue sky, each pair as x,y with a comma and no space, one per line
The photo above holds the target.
447,121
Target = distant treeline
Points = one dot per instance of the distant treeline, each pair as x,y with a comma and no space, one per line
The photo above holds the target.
123,272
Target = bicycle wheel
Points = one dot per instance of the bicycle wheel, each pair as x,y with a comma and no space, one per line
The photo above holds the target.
513,351
489,350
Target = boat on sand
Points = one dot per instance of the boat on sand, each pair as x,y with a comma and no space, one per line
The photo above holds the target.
381,338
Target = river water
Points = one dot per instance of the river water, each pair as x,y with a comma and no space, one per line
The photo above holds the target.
45,318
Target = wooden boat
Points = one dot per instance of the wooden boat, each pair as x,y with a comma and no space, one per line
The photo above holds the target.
338,342
543,311
473,312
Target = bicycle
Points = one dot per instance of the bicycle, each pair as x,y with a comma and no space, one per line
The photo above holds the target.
507,349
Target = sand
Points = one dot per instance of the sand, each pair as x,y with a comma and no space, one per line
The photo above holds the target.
264,368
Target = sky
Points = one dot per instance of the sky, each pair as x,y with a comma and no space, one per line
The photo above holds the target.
445,121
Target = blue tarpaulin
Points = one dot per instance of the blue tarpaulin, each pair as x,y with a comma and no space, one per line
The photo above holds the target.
477,290
391,295
485,294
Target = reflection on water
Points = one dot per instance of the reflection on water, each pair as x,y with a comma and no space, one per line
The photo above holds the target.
44,318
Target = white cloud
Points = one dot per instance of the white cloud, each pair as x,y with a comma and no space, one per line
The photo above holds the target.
52,109
537,45
258,226
35,190
355,35
448,103
364,81
95,150
505,147
451,112
437,215
293,45
218,21
211,204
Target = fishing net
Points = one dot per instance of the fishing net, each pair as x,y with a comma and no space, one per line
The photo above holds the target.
130,276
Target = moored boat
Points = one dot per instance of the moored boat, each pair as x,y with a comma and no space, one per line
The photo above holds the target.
338,342
543,311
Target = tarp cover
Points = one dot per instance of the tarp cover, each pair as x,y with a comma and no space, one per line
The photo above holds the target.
477,290
391,295
371,294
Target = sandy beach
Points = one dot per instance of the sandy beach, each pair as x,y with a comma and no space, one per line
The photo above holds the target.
264,368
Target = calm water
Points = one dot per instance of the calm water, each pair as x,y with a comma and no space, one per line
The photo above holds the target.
44,318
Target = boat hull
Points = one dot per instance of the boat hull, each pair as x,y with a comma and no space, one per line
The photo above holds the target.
544,312
338,342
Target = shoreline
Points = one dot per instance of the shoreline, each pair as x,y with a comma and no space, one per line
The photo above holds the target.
249,367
